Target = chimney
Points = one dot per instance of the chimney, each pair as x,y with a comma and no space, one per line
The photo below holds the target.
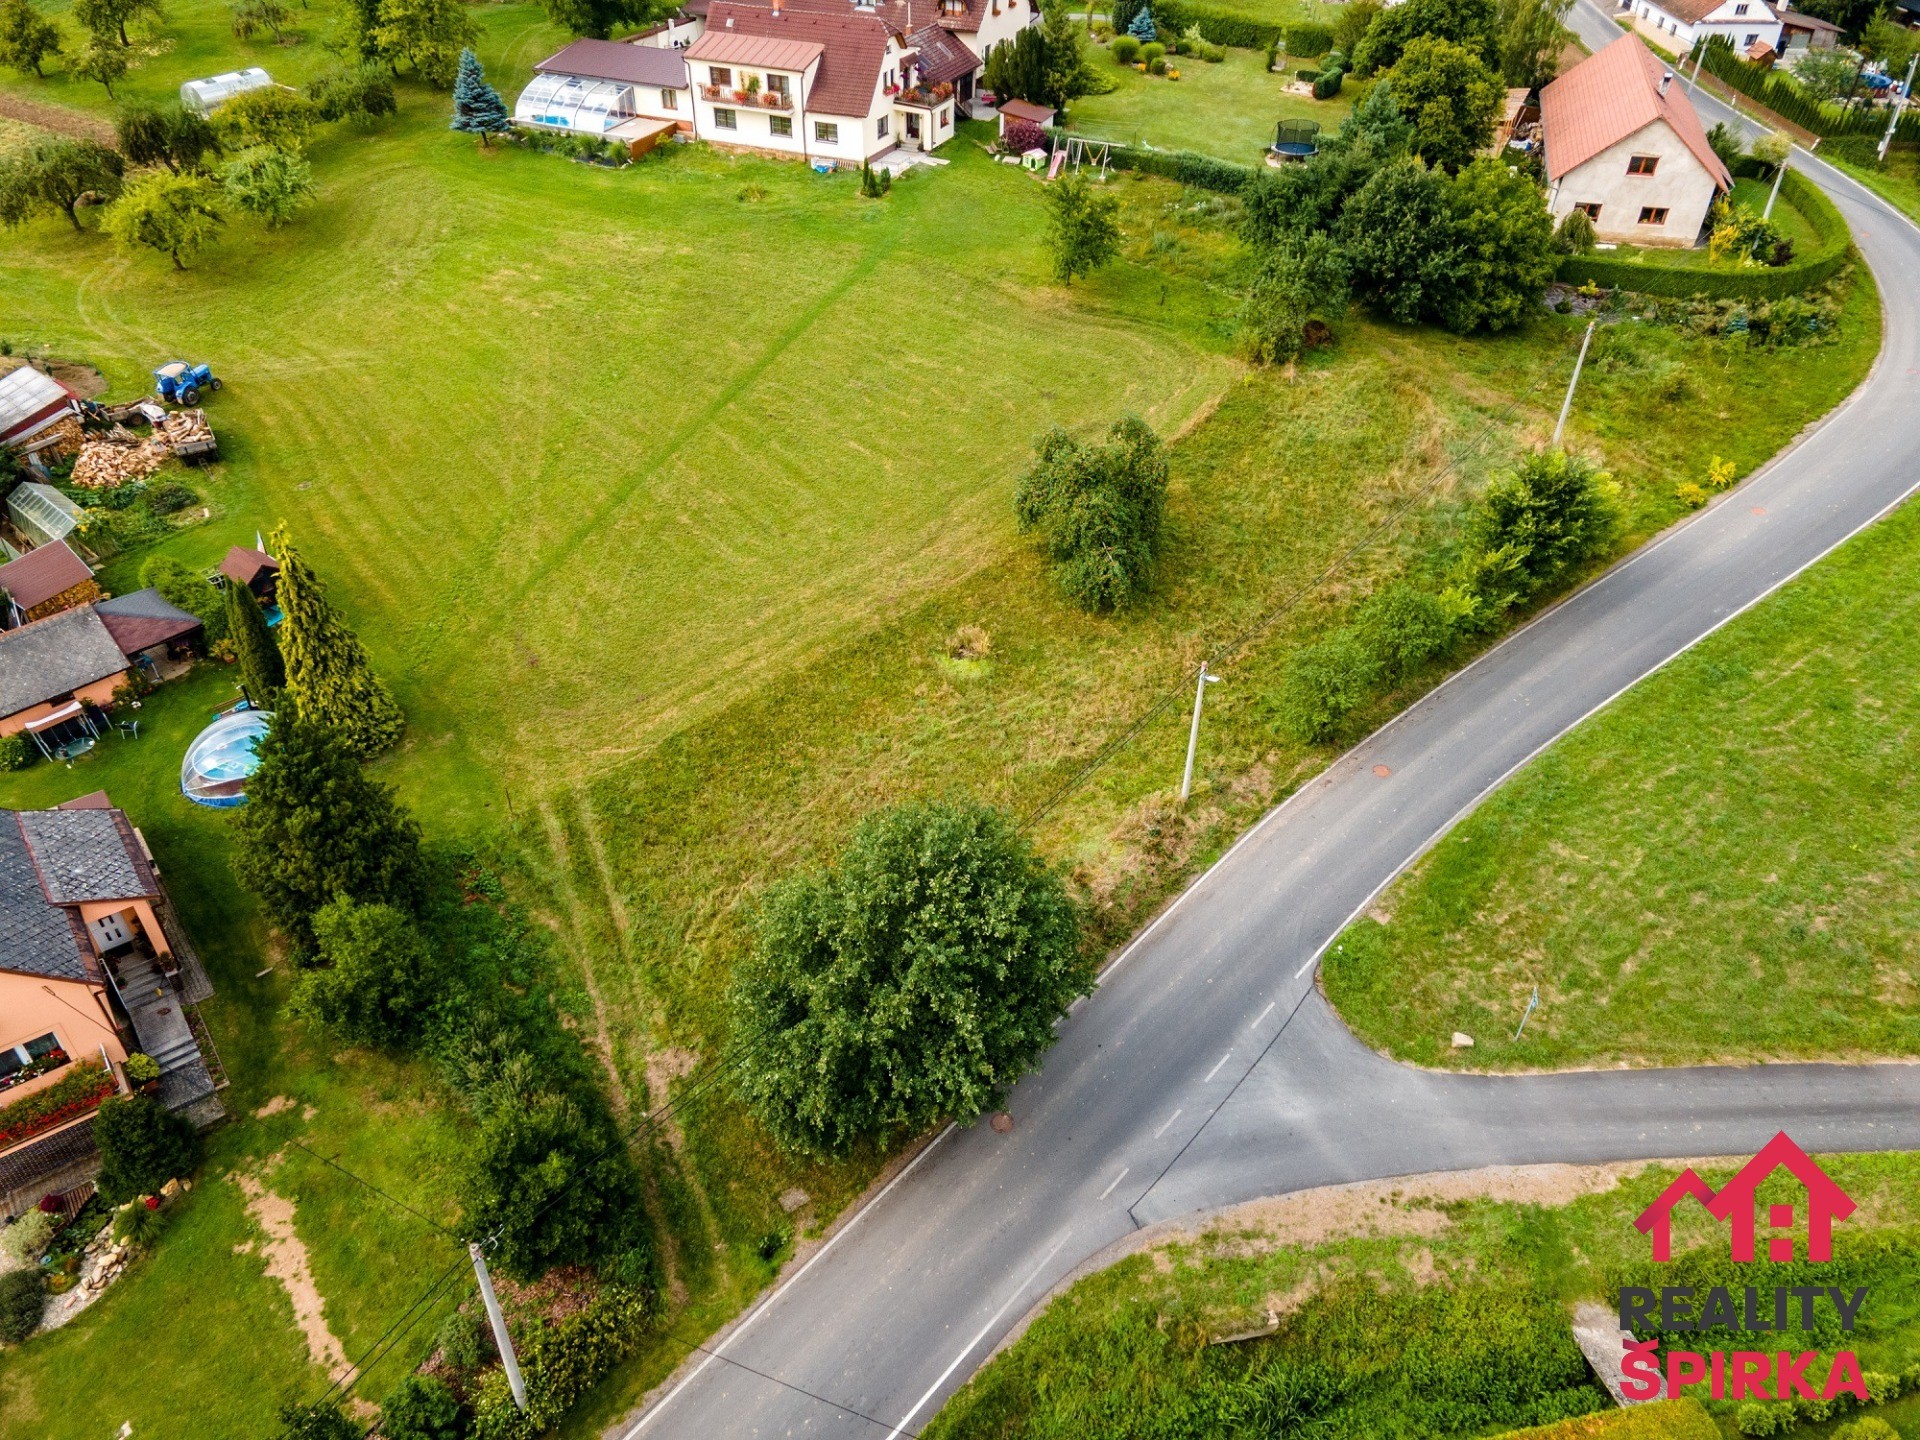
776,9
1665,80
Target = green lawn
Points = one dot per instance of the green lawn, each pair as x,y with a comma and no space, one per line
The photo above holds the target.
1897,182
1440,1304
1284,12
656,503
1228,110
1721,866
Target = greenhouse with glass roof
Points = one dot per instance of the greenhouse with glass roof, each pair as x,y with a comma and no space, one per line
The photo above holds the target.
42,513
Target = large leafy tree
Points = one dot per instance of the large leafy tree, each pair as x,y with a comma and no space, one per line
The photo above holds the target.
1098,510
178,215
27,38
169,135
57,175
477,107
108,19
328,678
373,984
1083,226
1471,23
1505,235
315,828
913,981
597,18
1531,35
1398,234
361,92
271,116
254,646
1298,283
428,34
1451,97
271,185
142,1146
544,1173
1282,207
101,61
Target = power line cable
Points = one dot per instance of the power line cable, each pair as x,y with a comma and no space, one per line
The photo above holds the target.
390,1199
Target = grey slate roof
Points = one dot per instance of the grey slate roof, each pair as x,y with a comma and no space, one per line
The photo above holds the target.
36,936
53,657
144,619
86,855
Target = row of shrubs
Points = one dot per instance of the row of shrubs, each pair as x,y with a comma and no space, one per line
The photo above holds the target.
1203,172
1832,250
589,149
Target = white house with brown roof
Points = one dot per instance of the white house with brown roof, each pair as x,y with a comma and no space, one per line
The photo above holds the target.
1622,142
1677,24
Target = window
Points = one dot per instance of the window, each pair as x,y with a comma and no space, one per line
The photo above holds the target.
21,1063
941,120
826,132
880,128
780,125
777,84
1741,9
1653,215
669,100
726,119
1642,164
1753,39
720,75
1591,210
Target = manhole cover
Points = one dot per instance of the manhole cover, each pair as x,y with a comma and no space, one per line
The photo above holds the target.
1382,771
1002,1122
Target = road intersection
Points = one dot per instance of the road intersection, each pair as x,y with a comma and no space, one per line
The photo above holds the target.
1207,1070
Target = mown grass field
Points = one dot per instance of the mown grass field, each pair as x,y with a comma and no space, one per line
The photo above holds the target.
657,505
1229,110
1897,182
1483,1267
1720,866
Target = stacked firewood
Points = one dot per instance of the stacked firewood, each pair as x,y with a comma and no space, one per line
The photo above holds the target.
59,439
117,457
185,429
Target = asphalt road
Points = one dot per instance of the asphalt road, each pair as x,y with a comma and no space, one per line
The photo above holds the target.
1206,1070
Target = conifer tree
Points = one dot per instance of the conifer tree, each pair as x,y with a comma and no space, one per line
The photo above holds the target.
477,107
258,652
329,681
1143,28
316,829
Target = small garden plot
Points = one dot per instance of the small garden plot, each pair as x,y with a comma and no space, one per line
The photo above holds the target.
1752,194
1228,110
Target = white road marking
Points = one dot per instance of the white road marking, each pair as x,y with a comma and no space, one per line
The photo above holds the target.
1313,957
993,1320
1163,1129
767,1304
1216,1066
1266,1012
1116,1181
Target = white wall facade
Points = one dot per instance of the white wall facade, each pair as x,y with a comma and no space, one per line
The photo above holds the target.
1741,22
675,34
755,125
999,23
1679,184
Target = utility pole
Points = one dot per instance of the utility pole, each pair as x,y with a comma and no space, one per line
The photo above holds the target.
1899,108
508,1360
1193,735
1529,1011
1774,194
1699,60
1567,404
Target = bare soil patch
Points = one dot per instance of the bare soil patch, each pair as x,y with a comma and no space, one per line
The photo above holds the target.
287,1263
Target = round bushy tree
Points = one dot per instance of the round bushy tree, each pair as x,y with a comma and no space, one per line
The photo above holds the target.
913,981
373,985
142,1146
1546,517
424,1407
1451,97
1098,510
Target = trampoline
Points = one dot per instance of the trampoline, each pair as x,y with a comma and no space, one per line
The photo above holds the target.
1294,140
221,758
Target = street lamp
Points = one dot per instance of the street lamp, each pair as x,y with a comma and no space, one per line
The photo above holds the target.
1193,735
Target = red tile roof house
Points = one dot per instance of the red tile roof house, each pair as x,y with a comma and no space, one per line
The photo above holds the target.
821,80
1676,24
93,966
44,581
1623,143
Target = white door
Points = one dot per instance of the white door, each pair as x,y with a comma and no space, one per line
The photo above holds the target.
110,932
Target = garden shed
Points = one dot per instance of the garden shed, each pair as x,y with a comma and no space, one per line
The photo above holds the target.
203,95
42,513
31,401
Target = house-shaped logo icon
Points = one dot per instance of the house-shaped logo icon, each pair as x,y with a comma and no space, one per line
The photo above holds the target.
1735,1203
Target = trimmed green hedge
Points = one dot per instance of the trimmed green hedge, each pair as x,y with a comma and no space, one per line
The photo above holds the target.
1760,283
1786,99
1201,171
1222,27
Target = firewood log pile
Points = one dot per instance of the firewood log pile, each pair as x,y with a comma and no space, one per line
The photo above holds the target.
117,457
185,430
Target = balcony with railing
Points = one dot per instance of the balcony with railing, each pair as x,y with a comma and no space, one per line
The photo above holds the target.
747,99
924,97
73,1095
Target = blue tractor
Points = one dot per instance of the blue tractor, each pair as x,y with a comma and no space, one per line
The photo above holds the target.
181,383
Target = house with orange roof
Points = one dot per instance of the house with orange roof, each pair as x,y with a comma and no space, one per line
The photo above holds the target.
1622,142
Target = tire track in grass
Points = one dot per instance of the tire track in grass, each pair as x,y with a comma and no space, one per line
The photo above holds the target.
600,515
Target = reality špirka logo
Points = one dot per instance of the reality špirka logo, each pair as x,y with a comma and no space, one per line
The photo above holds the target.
1746,1374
